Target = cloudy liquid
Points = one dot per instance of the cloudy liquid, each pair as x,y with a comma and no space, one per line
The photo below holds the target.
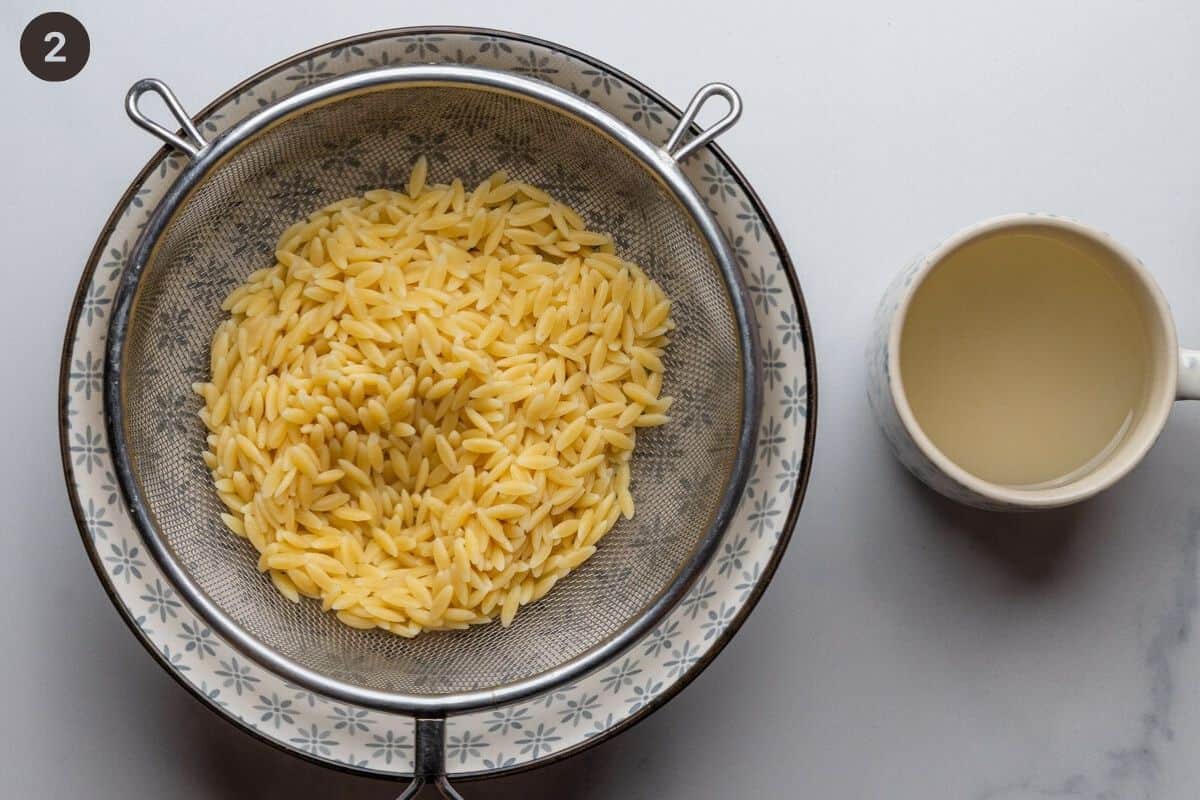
1025,356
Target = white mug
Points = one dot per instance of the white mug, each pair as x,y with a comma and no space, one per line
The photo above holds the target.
1175,375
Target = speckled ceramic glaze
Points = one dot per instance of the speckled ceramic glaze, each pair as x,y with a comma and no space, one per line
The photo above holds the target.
881,396
525,733
1177,376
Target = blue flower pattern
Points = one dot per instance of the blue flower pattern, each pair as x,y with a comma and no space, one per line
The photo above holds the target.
749,580
732,554
175,659
718,620
795,399
579,708
499,762
125,561
697,599
643,694
94,516
350,719
160,601
86,375
660,638
468,745
198,639
508,719
276,711
390,746
314,740
538,741
118,254
88,448
237,676
681,660
620,676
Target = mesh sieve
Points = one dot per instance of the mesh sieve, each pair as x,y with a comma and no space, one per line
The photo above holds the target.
219,223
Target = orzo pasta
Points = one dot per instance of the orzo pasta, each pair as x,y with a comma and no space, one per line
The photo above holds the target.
423,414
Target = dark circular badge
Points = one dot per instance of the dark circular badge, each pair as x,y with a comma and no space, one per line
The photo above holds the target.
55,46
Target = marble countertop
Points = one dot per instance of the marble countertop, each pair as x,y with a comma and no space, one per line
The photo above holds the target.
907,648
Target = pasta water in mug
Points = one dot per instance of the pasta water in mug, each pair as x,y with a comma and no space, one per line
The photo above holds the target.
1029,362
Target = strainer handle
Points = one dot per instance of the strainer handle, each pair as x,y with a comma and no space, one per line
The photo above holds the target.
192,145
429,765
679,151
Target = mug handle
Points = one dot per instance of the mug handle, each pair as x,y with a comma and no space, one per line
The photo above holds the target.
1189,375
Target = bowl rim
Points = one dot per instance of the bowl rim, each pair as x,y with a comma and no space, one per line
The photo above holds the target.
210,158
720,642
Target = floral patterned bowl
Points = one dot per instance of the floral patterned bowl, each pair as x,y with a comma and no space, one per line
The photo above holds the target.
524,733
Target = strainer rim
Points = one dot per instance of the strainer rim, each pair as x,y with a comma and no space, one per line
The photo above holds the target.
210,158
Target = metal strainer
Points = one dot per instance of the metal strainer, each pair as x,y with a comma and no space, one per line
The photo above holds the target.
219,222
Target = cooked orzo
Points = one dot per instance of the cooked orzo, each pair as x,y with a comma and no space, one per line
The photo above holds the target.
423,414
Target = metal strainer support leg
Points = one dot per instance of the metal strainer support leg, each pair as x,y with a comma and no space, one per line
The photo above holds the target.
429,764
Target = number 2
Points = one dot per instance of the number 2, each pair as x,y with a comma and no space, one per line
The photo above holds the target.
60,40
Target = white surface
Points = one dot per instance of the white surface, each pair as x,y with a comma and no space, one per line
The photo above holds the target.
907,648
